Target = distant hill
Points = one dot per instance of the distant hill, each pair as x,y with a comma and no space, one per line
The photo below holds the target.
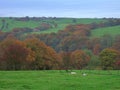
8,24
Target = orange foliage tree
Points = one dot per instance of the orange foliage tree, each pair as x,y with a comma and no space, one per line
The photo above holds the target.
15,55
96,49
79,59
45,56
66,61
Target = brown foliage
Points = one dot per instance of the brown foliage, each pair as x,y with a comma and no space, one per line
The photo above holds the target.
45,56
96,49
79,59
15,54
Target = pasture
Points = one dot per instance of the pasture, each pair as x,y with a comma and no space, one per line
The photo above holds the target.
61,22
60,80
113,31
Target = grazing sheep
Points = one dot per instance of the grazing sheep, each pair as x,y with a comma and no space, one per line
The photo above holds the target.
73,72
84,74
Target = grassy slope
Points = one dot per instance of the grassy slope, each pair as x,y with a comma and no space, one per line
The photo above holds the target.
115,30
61,23
54,80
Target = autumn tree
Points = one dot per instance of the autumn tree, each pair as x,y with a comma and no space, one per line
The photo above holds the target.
96,49
44,26
109,58
66,61
79,59
15,54
45,56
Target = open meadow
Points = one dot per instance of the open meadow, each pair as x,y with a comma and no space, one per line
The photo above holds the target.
60,80
114,30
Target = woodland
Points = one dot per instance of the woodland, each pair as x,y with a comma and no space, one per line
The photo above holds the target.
50,43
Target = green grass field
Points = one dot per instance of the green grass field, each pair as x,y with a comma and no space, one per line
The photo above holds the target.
56,80
62,23
115,30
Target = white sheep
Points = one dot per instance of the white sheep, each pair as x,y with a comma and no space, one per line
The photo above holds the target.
84,74
73,72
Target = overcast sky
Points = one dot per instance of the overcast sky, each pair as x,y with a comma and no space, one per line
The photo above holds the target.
60,8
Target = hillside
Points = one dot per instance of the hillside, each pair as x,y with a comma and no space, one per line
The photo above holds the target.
61,23
114,30
71,43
